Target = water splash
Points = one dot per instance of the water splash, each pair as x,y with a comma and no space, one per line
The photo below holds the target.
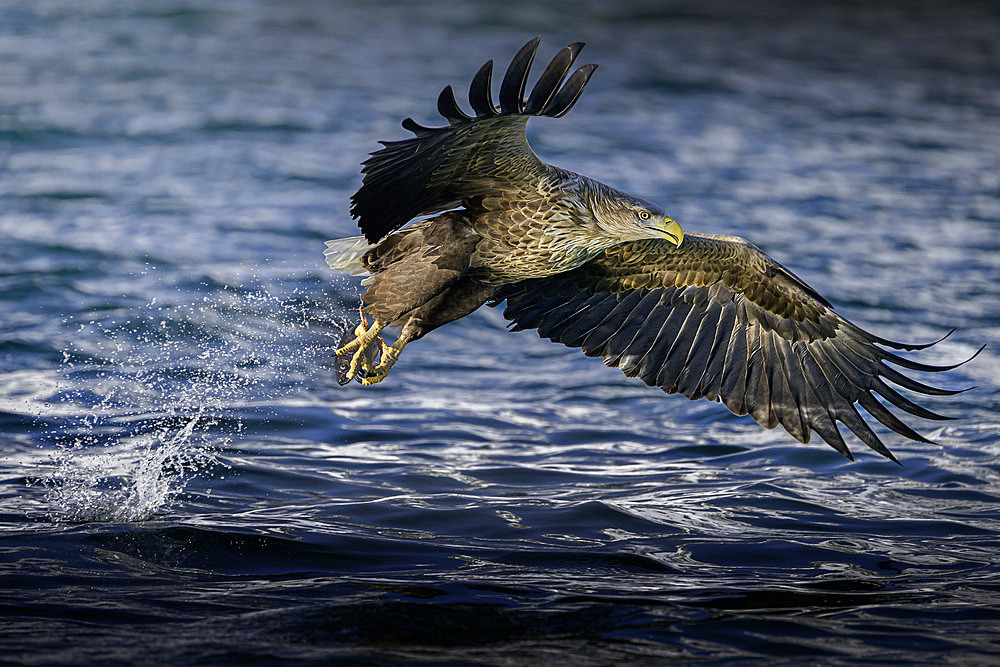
128,483
156,397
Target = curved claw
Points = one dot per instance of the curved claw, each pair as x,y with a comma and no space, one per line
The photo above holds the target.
390,354
363,357
357,363
359,333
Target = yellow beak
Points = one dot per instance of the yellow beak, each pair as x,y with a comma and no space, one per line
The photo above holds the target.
672,231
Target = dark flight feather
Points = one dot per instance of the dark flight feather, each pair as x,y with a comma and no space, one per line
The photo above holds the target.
516,79
570,93
448,107
550,81
480,93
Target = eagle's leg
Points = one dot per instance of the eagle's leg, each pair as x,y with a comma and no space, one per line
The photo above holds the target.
364,337
368,361
457,301
390,354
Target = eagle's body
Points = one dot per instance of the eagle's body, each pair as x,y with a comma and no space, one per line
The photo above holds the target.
440,269
591,267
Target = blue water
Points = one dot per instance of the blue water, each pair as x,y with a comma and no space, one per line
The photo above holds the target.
182,480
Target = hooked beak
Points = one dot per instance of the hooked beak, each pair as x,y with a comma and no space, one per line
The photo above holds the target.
670,230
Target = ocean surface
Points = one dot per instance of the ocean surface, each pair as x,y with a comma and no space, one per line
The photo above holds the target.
183,481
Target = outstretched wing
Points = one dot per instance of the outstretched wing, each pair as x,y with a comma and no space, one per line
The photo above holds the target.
716,318
472,156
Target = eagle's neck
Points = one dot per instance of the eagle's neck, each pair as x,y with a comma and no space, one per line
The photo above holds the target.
544,232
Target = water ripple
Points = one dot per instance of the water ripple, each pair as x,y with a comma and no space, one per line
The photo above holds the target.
184,477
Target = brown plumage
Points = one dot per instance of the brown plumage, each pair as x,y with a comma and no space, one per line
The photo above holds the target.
591,267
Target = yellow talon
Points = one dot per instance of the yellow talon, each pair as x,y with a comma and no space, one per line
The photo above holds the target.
390,354
367,345
350,347
367,363
359,332
363,357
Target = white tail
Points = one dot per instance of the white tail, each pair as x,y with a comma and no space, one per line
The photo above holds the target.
345,254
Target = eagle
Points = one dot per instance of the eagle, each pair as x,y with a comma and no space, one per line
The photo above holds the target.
589,266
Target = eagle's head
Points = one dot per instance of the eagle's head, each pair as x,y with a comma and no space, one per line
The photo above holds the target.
630,218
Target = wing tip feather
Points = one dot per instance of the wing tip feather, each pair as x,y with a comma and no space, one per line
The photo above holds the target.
908,346
516,78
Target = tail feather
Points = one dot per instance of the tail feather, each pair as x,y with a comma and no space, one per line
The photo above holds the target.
345,255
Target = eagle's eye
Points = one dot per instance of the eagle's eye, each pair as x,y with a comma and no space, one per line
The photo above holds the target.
644,215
